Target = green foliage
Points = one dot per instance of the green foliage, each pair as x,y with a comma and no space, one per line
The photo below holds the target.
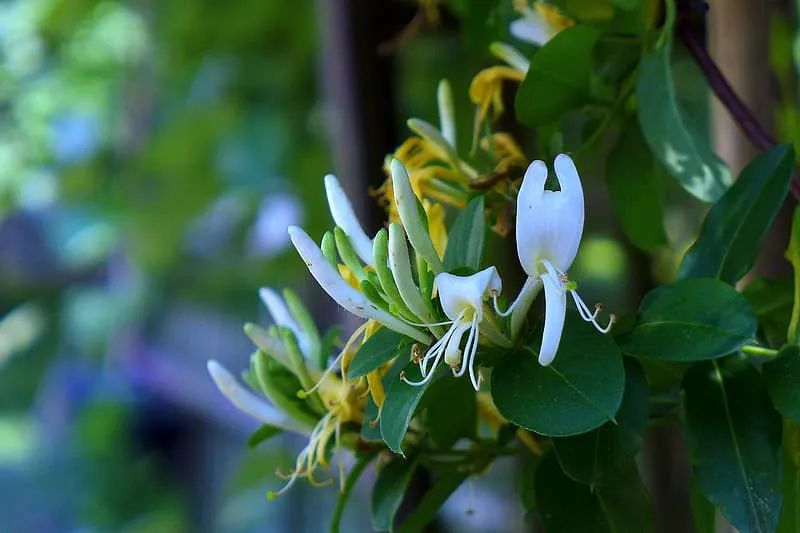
466,237
793,255
387,494
735,226
734,436
782,378
690,320
262,434
383,346
581,390
399,406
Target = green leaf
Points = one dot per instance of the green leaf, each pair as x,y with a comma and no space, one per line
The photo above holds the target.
399,406
734,437
447,481
581,390
465,240
793,255
703,511
388,491
347,489
685,153
772,300
598,457
370,428
690,320
558,77
445,424
790,512
735,226
566,506
634,185
782,378
262,434
383,346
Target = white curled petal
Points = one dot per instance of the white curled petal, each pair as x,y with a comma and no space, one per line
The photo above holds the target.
400,266
338,289
532,220
283,317
344,217
532,29
555,311
457,293
571,212
410,217
249,403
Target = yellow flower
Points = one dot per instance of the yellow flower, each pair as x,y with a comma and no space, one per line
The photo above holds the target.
486,91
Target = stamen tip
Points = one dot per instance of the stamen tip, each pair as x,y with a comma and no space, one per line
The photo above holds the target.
302,394
272,496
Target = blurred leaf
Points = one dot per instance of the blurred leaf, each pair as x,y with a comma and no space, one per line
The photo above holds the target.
558,77
790,511
446,425
685,153
383,346
399,406
579,391
465,240
782,378
447,481
735,226
694,319
362,460
635,188
262,434
597,457
566,506
793,255
771,299
734,438
387,493
703,511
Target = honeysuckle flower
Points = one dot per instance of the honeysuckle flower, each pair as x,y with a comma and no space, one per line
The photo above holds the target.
486,91
549,230
344,217
510,55
540,24
462,299
338,289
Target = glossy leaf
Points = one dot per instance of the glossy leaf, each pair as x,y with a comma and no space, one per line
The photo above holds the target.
734,437
387,493
558,77
684,153
635,188
690,320
597,457
734,228
782,378
579,391
383,346
566,506
465,240
399,407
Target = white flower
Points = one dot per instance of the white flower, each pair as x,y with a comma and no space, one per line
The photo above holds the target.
338,289
549,229
344,217
249,403
462,300
540,24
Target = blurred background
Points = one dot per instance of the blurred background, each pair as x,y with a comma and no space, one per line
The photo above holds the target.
152,155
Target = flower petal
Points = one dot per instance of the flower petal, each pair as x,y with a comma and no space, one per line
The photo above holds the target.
555,311
444,97
532,29
344,217
341,291
280,314
459,293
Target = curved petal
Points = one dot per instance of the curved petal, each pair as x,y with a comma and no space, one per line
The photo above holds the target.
282,316
457,293
531,222
338,289
249,403
555,311
344,217
572,212
532,29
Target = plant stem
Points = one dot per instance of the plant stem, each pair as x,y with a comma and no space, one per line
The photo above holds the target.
759,350
740,113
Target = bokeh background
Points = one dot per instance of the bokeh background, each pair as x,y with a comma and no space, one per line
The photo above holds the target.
152,155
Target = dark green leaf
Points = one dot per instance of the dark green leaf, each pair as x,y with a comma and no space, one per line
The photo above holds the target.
527,480
690,320
262,434
465,240
569,507
579,391
370,428
782,378
703,511
447,481
685,153
598,457
790,512
735,226
445,424
383,346
558,77
399,406
772,300
349,484
635,188
387,494
734,437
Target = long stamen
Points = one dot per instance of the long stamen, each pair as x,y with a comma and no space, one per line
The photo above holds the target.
435,350
592,318
471,339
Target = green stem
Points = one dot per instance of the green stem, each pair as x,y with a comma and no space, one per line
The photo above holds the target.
347,489
758,350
